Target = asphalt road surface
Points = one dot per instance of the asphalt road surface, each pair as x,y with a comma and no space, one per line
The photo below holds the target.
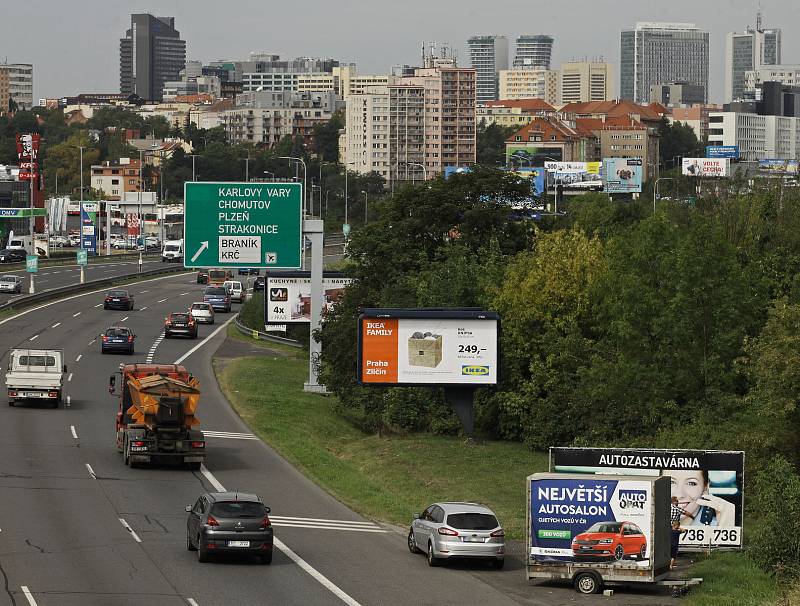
78,527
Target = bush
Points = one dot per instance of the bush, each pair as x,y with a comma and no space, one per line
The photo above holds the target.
775,545
252,312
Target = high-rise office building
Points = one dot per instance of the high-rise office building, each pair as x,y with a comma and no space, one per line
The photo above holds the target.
533,52
747,51
488,54
19,84
657,53
150,54
583,81
530,84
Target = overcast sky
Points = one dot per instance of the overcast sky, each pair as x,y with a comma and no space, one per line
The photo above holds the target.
75,46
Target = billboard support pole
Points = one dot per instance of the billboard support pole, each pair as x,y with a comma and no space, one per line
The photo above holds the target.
313,229
462,400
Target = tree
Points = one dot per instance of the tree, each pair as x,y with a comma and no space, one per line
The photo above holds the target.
326,138
491,145
64,159
677,139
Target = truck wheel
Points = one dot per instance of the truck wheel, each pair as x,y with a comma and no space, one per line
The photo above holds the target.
587,582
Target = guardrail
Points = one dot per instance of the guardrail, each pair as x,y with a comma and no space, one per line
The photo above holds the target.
55,293
263,336
71,260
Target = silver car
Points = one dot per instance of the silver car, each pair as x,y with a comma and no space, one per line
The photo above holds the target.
202,312
448,531
10,284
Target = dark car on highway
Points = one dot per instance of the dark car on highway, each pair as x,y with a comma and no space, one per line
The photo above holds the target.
118,299
12,256
117,338
219,297
248,271
180,324
231,523
259,283
202,276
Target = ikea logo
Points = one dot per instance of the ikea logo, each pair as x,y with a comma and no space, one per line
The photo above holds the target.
475,371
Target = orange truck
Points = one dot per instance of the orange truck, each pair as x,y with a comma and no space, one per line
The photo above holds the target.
156,420
217,277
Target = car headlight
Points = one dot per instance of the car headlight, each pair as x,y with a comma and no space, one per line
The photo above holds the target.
606,541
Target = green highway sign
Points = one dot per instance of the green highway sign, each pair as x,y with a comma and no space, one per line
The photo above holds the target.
21,213
242,225
82,257
31,264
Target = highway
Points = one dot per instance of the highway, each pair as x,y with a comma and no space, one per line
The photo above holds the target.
78,527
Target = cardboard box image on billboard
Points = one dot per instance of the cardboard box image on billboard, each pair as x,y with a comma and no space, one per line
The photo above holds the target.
424,350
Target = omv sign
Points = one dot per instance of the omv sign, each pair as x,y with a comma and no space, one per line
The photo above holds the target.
9,212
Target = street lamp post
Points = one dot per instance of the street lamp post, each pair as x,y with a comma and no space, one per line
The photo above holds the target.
346,170
655,190
193,156
422,166
272,175
366,203
305,177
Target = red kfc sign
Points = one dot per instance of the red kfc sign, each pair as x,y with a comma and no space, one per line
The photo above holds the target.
28,146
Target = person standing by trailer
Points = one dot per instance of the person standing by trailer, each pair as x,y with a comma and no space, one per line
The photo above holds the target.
674,541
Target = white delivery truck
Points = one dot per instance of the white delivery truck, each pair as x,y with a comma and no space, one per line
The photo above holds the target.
35,374
599,530
173,251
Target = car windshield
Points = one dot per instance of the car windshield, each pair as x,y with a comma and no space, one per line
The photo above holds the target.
8,278
612,527
180,317
118,332
472,521
238,509
215,290
171,247
118,293
200,306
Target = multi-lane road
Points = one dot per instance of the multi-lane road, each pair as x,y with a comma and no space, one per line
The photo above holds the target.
78,527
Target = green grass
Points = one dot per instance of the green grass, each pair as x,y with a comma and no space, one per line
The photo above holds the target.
383,478
732,579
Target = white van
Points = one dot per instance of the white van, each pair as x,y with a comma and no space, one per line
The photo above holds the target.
173,251
236,289
19,243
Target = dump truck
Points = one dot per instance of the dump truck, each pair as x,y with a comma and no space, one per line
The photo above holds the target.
156,420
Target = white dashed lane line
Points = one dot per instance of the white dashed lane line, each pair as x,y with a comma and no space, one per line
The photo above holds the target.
69,378
56,325
125,318
78,359
34,337
91,471
99,305
73,431
130,530
143,308
160,300
76,315
28,595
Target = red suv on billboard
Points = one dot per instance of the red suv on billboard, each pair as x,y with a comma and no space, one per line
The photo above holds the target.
615,540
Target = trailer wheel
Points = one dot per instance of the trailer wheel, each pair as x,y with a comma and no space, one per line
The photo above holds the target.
587,582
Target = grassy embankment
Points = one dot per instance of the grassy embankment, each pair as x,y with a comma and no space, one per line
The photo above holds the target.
390,478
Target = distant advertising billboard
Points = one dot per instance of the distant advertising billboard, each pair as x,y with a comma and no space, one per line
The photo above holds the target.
779,167
424,347
288,295
574,176
531,155
722,151
536,176
622,175
455,170
705,167
607,520
89,226
708,484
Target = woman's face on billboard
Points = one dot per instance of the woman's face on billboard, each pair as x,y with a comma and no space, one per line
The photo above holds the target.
688,486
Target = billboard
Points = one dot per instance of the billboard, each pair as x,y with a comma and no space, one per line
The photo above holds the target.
456,170
89,226
574,176
288,295
536,176
708,484
427,347
705,167
531,155
611,520
779,167
622,175
722,151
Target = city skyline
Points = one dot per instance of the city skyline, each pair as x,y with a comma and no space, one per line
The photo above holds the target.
363,34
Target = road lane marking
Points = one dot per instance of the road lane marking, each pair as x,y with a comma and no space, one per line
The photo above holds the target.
76,315
99,305
129,529
56,325
229,435
316,574
192,602
323,521
69,378
143,308
28,595
160,300
326,527
74,433
125,318
204,341
69,400
183,294
93,341
34,337
78,359
91,471
152,352
144,291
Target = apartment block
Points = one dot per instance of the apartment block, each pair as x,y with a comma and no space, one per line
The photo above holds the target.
533,52
655,53
512,112
584,81
530,84
4,91
367,144
20,84
115,179
266,117
488,55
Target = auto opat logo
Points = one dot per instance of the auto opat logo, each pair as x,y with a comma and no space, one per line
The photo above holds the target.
632,499
475,371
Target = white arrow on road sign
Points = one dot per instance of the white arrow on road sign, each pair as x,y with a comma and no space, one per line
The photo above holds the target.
203,246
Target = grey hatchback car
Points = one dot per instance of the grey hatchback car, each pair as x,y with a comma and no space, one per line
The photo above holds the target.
229,522
446,531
